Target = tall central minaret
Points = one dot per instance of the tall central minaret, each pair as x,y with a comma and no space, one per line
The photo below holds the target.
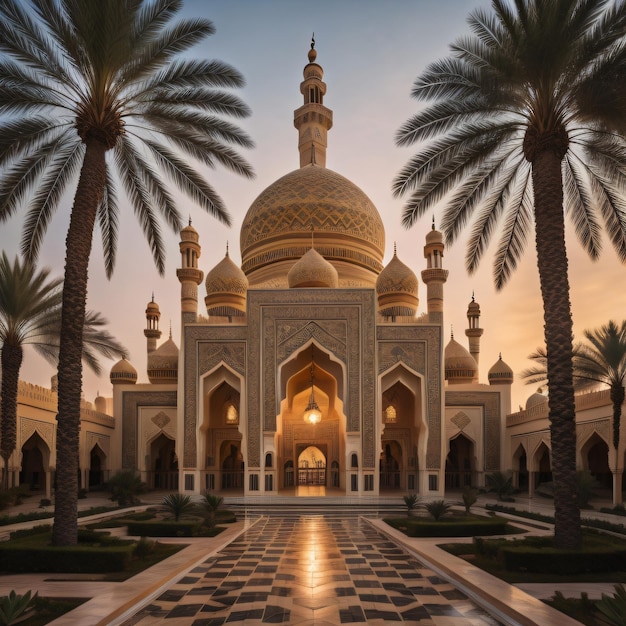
313,120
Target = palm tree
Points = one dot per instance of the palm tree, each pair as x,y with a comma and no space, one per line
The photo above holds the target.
603,361
93,93
30,313
528,108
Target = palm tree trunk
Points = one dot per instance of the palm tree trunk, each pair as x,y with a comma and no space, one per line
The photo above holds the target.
617,398
11,363
552,262
77,249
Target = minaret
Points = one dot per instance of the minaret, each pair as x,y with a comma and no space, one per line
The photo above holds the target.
152,332
474,332
313,120
434,276
189,275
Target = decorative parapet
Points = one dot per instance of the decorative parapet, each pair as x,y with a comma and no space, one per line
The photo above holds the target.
584,401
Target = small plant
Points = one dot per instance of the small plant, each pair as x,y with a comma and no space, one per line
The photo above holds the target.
411,501
13,607
125,486
614,607
44,502
585,483
143,548
470,496
177,504
501,483
438,508
209,505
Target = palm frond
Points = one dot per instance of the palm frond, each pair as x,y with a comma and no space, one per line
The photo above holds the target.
192,73
578,205
517,224
613,210
199,98
107,217
190,182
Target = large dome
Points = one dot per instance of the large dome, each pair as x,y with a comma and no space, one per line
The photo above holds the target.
312,201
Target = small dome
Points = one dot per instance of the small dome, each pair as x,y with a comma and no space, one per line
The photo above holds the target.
153,307
500,373
460,365
434,236
100,404
313,270
189,233
123,373
163,363
536,399
473,308
396,288
226,288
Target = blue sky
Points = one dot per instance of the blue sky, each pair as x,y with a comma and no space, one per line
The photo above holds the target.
371,52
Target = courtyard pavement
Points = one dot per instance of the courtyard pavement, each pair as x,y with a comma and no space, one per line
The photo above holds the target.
305,568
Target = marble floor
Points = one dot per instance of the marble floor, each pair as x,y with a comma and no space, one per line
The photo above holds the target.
308,569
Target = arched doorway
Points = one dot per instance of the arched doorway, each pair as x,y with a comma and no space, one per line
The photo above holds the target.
460,463
97,461
390,465
231,462
35,458
595,455
164,463
311,466
520,469
544,468
311,451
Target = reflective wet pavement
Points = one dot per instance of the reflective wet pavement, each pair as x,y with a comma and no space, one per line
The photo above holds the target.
311,570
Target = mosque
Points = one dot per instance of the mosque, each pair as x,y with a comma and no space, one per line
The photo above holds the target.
309,369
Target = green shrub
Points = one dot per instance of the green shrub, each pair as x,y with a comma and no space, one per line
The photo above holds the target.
208,507
470,496
125,486
438,508
501,483
14,606
143,548
614,607
177,504
411,501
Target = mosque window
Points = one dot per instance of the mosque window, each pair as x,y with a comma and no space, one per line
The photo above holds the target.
390,414
354,461
232,415
268,460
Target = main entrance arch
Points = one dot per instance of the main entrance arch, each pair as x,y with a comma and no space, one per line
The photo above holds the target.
311,450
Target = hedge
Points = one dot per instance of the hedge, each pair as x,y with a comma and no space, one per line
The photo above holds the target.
162,528
26,557
451,527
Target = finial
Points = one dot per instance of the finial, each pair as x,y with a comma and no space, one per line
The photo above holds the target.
451,332
190,219
472,295
394,249
433,226
170,329
226,247
500,356
312,51
153,296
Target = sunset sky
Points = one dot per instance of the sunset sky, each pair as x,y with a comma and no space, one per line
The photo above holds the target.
371,52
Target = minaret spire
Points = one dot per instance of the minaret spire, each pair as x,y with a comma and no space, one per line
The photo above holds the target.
313,120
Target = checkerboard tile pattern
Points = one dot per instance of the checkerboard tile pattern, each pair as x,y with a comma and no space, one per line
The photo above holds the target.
311,570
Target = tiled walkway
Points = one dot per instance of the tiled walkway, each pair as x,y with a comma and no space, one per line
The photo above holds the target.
311,570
